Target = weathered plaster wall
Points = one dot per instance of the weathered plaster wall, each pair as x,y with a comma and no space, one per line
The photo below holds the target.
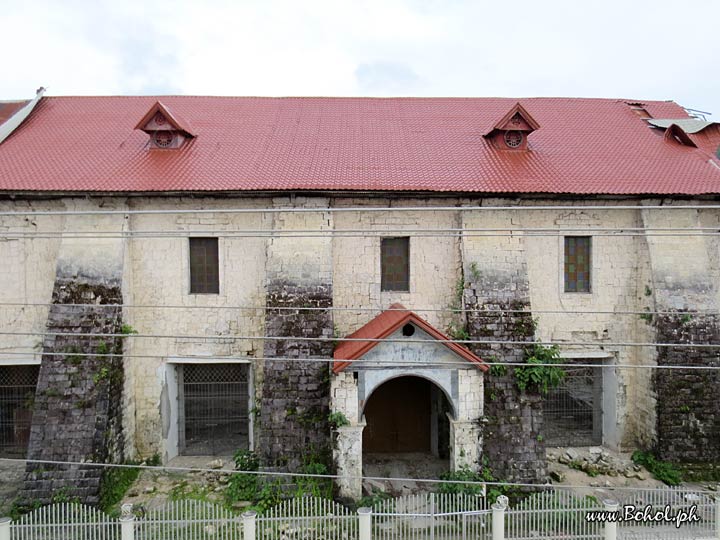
160,280
688,411
27,275
78,403
156,274
434,262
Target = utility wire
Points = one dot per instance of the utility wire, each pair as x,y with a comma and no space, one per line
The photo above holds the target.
359,209
376,363
364,231
364,340
369,234
365,309
328,476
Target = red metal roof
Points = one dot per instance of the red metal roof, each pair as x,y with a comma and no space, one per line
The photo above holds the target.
383,326
583,146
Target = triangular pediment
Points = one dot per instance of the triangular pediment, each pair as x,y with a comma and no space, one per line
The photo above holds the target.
161,118
387,324
516,119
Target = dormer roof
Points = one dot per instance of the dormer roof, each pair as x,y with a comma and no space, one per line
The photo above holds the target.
675,134
516,119
161,118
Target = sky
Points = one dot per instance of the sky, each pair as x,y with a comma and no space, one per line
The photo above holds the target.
633,49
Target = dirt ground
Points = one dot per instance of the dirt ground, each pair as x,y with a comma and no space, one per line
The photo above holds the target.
154,488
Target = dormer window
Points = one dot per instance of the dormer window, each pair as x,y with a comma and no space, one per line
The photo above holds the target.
165,128
512,131
513,138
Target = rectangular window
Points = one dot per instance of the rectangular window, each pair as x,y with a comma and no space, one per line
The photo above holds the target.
204,266
577,264
395,264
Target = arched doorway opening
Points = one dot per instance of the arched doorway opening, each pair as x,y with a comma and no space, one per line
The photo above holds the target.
407,415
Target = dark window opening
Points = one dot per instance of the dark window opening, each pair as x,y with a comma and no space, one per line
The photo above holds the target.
572,413
214,408
577,264
204,266
395,264
408,330
17,395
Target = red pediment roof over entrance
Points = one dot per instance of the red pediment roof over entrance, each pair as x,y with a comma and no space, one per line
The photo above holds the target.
383,326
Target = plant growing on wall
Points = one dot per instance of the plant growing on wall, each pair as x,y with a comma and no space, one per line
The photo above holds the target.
536,374
337,419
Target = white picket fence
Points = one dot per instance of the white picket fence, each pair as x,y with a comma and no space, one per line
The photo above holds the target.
555,514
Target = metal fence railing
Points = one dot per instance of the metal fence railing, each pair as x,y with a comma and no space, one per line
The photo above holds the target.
553,514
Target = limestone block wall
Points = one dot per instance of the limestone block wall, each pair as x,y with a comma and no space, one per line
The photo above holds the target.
296,394
496,278
685,277
159,282
78,404
617,284
434,262
29,248
466,444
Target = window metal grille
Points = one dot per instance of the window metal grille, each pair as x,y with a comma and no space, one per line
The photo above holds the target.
214,399
17,394
572,414
204,266
395,264
577,263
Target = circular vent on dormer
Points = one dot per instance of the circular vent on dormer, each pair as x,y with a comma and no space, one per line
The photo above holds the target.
513,138
163,139
160,119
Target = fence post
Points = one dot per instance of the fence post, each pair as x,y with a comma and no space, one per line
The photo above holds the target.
248,519
717,517
5,528
610,526
127,523
498,518
365,523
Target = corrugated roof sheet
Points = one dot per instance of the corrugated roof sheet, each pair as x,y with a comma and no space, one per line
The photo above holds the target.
584,146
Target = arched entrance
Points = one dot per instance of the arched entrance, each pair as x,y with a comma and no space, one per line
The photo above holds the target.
407,414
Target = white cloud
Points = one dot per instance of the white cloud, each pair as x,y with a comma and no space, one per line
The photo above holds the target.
642,49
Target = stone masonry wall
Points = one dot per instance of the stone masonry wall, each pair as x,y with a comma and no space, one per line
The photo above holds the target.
295,395
688,414
496,280
687,410
77,415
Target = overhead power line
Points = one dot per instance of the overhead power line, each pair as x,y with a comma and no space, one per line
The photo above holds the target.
365,309
327,476
361,209
379,363
363,339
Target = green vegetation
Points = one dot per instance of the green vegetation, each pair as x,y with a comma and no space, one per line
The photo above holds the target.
497,370
126,329
243,487
114,484
661,470
541,378
465,474
337,419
